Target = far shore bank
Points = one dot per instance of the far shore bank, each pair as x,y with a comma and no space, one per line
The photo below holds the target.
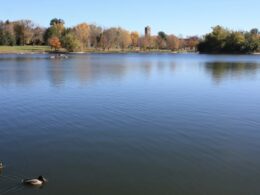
47,50
22,50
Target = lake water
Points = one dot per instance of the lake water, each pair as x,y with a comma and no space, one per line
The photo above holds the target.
131,124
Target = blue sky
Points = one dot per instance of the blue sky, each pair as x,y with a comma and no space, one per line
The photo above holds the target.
183,17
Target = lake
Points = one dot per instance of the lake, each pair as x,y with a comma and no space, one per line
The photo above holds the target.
131,124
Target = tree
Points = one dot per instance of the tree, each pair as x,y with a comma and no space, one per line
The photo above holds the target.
82,33
37,38
192,42
161,40
56,21
234,43
109,38
254,31
124,38
56,29
134,39
55,43
23,32
214,42
173,43
7,36
162,35
71,43
143,43
222,40
94,35
252,42
147,42
7,39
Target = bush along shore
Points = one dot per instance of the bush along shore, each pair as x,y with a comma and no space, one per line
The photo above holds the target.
225,41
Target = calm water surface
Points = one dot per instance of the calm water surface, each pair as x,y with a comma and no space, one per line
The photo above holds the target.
131,124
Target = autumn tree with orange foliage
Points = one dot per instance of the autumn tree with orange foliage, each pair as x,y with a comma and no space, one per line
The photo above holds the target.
55,43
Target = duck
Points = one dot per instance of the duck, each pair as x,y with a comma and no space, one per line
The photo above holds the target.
35,182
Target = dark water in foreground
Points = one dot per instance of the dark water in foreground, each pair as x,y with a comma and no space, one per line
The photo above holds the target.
131,124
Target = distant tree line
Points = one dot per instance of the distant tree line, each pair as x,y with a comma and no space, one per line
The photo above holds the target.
222,40
84,36
22,32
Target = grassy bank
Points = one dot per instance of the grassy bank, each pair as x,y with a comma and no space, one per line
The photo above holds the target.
47,49
24,49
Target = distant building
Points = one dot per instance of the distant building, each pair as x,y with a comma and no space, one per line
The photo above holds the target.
148,31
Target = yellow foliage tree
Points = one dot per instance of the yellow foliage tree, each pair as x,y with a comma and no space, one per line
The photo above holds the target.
82,33
134,39
124,38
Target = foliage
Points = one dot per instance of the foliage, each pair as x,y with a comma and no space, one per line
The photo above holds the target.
81,31
84,36
6,38
56,21
37,38
162,40
222,40
162,35
71,43
115,38
57,29
134,39
173,42
24,32
124,38
191,43
94,35
55,43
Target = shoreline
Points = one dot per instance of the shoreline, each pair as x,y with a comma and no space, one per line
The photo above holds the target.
94,52
34,50
22,50
116,52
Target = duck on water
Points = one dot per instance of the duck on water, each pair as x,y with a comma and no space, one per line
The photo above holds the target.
35,182
1,165
59,56
32,182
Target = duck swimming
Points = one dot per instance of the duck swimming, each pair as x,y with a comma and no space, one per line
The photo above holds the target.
35,182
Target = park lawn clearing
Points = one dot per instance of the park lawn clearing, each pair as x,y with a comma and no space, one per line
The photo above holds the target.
24,49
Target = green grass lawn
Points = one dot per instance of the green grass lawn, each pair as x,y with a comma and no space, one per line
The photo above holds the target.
24,49
42,49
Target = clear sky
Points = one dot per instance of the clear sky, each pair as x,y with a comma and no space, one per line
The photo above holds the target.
182,17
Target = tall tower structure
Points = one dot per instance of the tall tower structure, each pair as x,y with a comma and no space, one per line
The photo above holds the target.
148,31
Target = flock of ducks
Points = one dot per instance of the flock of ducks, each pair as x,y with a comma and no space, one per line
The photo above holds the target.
59,56
31,182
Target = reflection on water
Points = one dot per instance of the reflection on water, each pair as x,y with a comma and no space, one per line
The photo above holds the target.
86,68
222,70
131,124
